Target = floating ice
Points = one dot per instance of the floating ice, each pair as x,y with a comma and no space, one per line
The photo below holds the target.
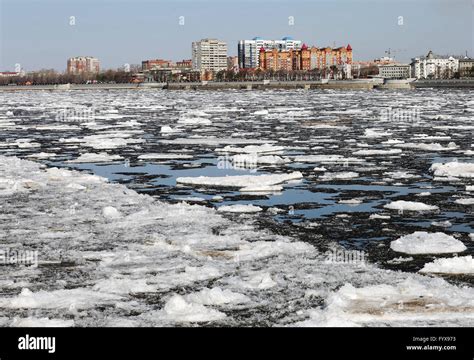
259,282
110,212
167,156
377,216
376,133
421,242
350,201
400,175
465,201
217,296
168,130
444,224
258,159
240,181
239,208
76,298
95,158
453,169
41,155
327,159
177,309
123,286
262,189
252,149
378,152
345,175
455,265
408,303
403,205
194,121
41,322
429,147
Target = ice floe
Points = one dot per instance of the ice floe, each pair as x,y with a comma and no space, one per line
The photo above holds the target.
453,169
167,156
239,208
421,242
95,158
240,181
429,147
378,152
252,149
403,205
177,309
217,296
454,265
408,303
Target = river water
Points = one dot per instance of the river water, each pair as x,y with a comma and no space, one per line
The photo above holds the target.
345,155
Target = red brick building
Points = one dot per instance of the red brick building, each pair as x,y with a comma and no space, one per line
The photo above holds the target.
305,59
156,64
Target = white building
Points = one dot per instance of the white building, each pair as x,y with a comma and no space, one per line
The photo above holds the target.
83,65
209,55
248,50
466,67
395,71
434,66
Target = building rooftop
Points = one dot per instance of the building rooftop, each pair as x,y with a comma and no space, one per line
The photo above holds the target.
393,65
431,55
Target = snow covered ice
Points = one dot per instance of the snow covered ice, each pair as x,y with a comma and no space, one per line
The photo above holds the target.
421,242
136,223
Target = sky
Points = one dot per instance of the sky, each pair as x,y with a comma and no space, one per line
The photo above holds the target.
40,34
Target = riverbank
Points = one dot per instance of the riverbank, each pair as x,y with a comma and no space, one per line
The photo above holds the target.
360,84
453,84
254,85
206,85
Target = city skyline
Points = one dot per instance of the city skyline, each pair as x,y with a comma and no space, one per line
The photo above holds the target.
124,32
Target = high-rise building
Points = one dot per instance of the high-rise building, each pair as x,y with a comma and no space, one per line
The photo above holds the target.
248,50
304,58
209,55
83,65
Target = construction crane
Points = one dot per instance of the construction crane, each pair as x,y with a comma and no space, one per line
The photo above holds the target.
390,51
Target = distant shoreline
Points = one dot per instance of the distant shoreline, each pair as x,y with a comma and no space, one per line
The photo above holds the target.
360,84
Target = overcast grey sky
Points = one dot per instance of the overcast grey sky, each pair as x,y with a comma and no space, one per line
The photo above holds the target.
37,33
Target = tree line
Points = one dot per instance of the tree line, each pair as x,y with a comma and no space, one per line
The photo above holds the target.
49,76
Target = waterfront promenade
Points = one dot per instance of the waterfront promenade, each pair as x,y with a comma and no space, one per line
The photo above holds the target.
362,84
